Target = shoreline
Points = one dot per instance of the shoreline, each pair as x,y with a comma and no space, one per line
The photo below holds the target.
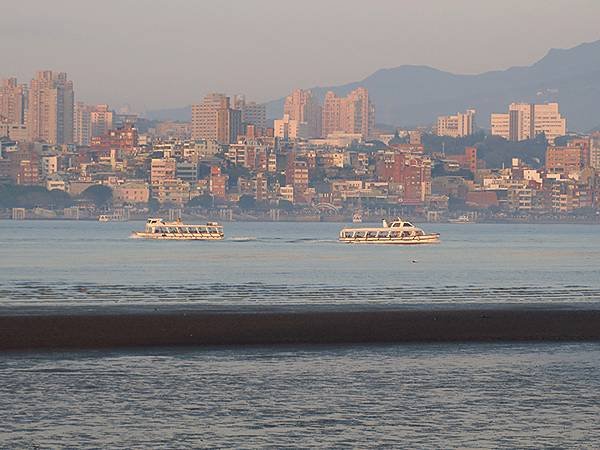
204,329
324,219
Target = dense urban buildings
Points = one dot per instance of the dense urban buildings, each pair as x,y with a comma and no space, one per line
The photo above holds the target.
314,159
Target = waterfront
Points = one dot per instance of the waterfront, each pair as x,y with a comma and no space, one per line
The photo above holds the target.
67,265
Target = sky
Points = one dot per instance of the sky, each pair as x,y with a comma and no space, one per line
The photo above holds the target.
153,54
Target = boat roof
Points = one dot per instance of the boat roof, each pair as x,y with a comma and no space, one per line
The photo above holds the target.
398,223
159,221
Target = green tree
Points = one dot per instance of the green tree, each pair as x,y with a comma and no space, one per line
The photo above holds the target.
99,194
33,196
285,205
203,201
153,205
247,202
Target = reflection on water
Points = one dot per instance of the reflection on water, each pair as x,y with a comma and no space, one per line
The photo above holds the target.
435,396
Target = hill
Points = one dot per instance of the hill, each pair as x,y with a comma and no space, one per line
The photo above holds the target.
412,95
409,95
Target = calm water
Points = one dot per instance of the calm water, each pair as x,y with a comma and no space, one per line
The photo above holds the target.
59,264
411,396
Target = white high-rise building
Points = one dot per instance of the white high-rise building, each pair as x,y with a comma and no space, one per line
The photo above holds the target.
287,128
528,120
458,125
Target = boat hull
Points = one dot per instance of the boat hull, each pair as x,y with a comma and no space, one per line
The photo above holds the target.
174,237
416,240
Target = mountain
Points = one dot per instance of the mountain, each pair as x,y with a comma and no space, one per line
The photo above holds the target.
415,95
178,114
411,95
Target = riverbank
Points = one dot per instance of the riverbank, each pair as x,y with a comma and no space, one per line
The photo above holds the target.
90,331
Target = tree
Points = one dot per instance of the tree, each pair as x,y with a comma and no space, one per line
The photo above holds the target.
59,199
247,202
203,201
153,204
285,205
33,196
99,194
234,173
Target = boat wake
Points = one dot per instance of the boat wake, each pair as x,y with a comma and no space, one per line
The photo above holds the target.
243,239
310,240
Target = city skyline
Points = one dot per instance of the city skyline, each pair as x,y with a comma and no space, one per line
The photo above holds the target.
259,36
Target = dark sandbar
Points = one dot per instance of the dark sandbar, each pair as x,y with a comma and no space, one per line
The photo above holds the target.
267,328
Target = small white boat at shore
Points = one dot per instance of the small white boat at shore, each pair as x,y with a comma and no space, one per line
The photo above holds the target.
104,218
397,232
461,219
159,229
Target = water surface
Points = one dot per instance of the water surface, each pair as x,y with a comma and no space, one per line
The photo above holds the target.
62,265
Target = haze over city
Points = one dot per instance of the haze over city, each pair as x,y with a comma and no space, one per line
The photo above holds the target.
311,224
163,54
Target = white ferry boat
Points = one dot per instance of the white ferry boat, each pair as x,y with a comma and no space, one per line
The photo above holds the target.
159,229
397,232
104,218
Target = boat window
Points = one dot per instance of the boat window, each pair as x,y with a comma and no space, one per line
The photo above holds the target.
406,224
201,229
395,225
394,234
382,234
372,234
359,234
348,234
157,230
405,234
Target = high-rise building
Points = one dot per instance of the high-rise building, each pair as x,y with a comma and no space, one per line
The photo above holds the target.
51,105
352,114
13,102
90,122
527,120
101,120
287,128
302,107
252,113
229,125
82,124
595,150
215,119
458,125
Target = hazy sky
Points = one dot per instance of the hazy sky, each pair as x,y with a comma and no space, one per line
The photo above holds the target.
168,53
